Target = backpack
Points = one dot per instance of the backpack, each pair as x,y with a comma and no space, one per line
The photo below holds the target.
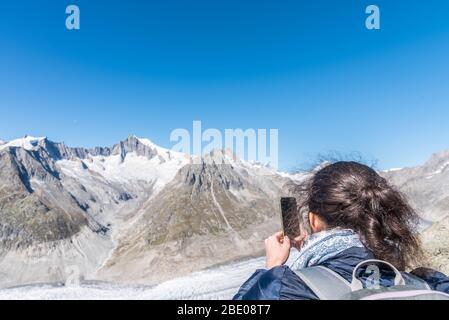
329,285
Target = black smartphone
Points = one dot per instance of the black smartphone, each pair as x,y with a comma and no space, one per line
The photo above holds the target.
290,217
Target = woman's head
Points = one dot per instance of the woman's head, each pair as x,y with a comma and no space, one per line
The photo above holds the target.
352,195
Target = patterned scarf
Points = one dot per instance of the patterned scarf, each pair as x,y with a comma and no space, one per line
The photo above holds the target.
324,245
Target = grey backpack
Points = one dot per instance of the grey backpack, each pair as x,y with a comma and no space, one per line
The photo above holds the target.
329,285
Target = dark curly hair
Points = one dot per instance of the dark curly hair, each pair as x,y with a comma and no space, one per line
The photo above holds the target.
352,195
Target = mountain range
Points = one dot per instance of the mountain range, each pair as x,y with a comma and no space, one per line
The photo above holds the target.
138,213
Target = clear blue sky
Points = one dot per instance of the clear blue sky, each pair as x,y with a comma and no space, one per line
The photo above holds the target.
309,68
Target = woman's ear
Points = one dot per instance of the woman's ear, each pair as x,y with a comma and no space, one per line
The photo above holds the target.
316,224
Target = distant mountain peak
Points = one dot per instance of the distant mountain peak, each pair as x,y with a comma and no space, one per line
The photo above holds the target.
147,142
439,159
59,150
27,143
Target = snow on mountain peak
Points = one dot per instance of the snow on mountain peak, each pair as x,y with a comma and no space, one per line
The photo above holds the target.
162,151
27,143
150,144
393,169
146,142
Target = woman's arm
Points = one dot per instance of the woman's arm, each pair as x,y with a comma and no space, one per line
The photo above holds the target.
263,285
249,284
279,283
267,284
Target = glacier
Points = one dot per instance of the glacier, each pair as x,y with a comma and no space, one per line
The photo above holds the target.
218,283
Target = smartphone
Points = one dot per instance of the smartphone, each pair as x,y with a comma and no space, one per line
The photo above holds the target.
290,217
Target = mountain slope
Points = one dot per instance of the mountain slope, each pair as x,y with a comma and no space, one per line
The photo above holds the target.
426,186
32,213
436,244
211,213
43,229
60,206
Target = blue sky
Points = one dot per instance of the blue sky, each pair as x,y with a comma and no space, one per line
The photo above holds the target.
309,68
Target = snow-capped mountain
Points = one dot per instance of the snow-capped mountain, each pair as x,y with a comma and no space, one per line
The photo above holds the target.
139,213
106,211
210,213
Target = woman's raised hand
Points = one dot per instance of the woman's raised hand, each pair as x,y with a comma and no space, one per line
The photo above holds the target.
277,249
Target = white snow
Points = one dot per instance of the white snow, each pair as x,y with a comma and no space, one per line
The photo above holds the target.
393,169
440,169
134,168
219,283
152,145
27,142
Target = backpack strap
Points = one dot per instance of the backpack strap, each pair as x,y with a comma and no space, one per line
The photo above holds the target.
325,283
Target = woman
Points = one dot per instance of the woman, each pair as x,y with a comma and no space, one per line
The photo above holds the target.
354,215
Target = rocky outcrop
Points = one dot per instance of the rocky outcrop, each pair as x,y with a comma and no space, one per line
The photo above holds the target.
44,228
436,245
60,151
34,206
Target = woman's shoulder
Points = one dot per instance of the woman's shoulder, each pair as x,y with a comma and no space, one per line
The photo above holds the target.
294,288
